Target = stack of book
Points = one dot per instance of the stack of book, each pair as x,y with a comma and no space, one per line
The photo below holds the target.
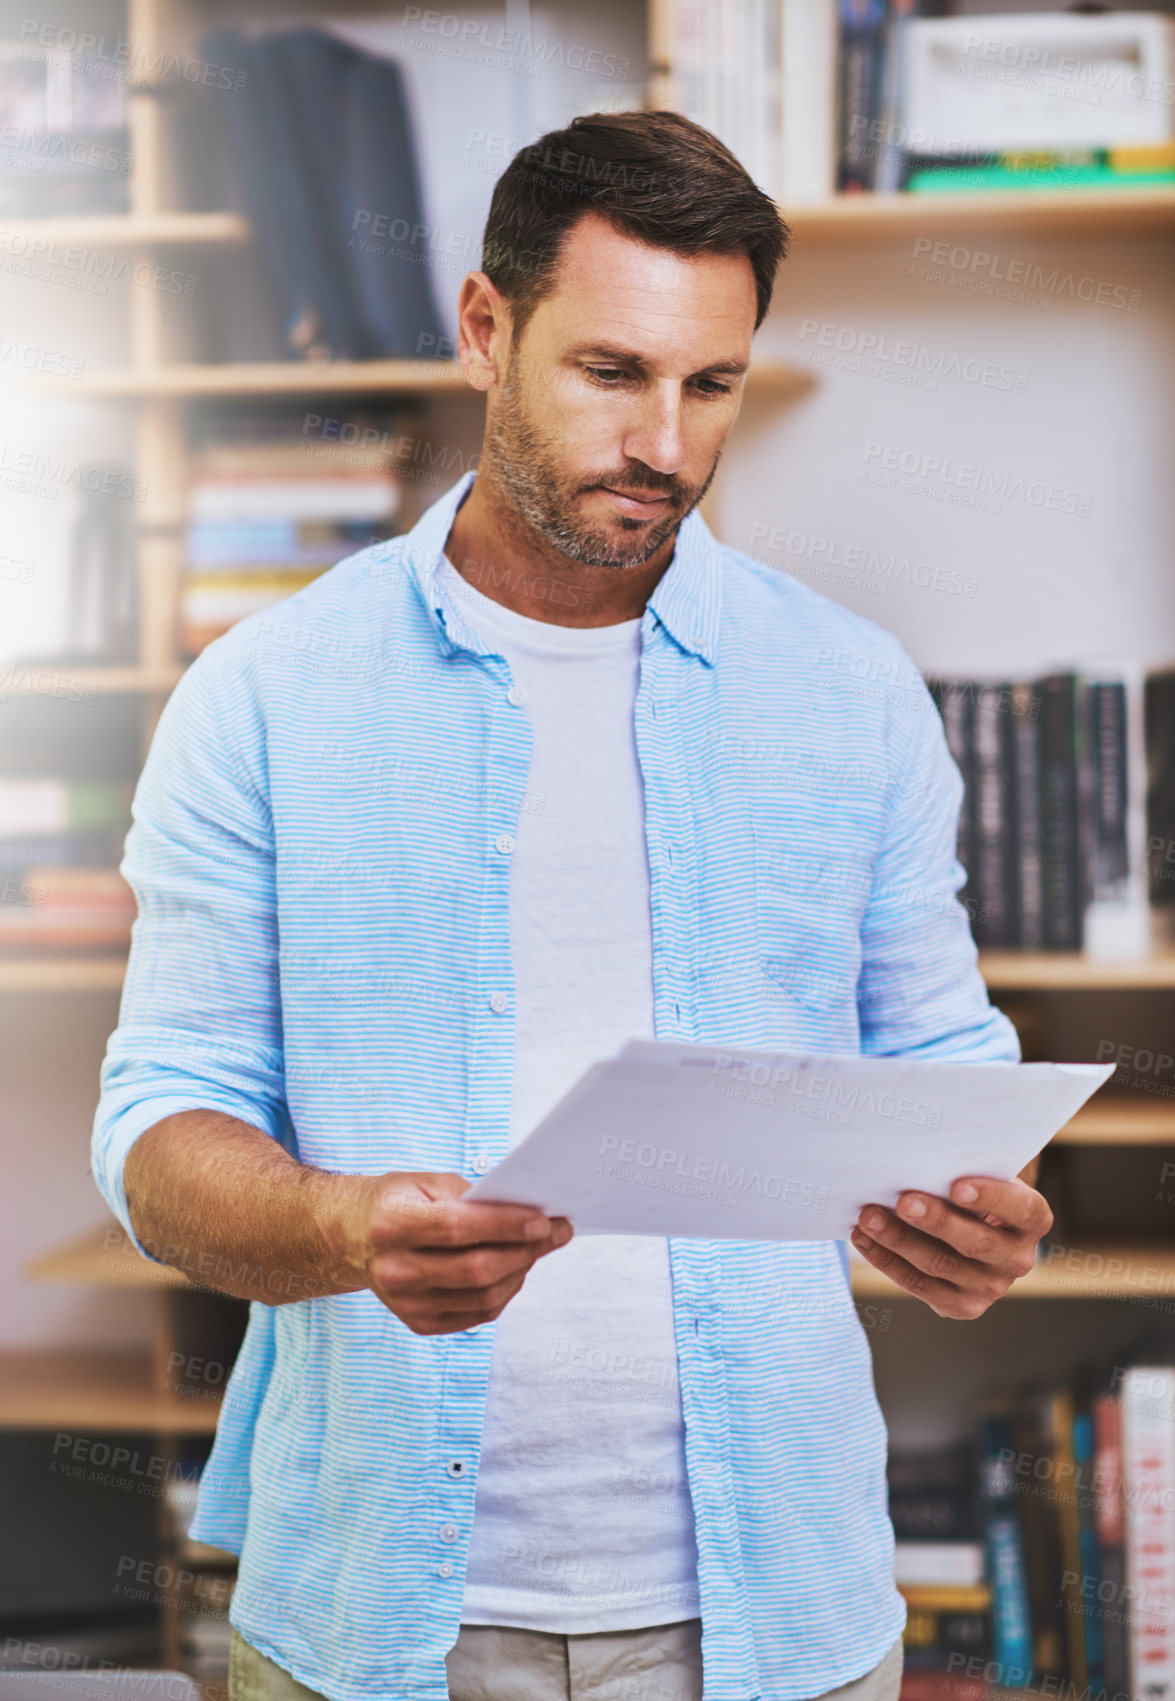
866,96
1078,1510
1069,785
64,142
938,1564
66,781
266,518
1091,168
1052,1539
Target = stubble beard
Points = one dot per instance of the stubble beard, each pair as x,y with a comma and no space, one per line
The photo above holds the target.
519,459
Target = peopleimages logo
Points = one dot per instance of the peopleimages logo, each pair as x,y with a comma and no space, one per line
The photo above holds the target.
667,1168
829,1090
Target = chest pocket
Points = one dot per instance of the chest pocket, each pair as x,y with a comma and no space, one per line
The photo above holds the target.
809,902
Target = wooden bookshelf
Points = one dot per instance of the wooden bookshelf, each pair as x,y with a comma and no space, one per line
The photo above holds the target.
1089,214
129,230
1063,971
50,972
1140,1272
20,679
102,1258
1121,1119
773,378
94,1392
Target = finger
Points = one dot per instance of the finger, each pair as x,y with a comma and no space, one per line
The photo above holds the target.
455,1222
986,1242
942,1297
472,1269
933,1257
1013,1202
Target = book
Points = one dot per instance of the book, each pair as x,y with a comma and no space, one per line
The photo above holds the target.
1003,1536
1084,1598
1028,931
1033,1439
235,543
994,852
808,48
212,602
328,497
860,75
72,908
1148,1467
1061,838
58,806
1066,1497
1110,1532
938,1564
946,1627
1159,697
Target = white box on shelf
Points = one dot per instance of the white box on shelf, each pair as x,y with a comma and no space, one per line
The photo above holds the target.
1052,80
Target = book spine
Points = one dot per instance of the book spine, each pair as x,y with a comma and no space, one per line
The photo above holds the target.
1011,1622
862,52
1059,818
1069,1538
1148,1459
1109,1528
1107,716
994,847
1025,732
1086,1594
1159,716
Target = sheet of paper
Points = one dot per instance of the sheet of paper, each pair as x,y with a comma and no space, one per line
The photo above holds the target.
719,1144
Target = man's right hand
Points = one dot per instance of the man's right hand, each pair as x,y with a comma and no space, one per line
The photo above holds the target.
440,1264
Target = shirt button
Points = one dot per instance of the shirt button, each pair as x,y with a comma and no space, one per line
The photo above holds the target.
504,843
448,1532
481,1163
445,1570
456,1467
515,696
498,1002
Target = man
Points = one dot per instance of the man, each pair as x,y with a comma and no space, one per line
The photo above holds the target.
552,772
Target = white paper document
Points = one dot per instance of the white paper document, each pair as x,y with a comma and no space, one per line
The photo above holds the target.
719,1144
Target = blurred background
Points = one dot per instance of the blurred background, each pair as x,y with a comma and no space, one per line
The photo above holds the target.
231,243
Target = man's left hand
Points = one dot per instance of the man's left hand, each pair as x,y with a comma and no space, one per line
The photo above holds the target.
959,1255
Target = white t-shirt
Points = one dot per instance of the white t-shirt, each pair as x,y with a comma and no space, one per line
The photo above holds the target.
582,1519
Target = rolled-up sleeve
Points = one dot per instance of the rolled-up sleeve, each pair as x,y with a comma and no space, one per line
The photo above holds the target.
200,1020
920,992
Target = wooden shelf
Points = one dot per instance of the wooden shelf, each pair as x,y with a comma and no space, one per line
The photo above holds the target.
1121,1119
102,1258
87,1392
20,679
62,974
325,377
1064,971
1088,213
133,231
1140,1272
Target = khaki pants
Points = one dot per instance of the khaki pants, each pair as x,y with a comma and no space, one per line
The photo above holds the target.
490,1662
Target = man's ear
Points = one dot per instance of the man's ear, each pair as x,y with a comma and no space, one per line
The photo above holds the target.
483,331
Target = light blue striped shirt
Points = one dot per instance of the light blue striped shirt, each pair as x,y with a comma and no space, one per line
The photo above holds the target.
323,951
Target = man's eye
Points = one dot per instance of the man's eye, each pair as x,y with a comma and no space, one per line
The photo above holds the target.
711,387
606,374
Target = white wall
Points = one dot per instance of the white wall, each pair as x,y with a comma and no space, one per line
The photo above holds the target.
1090,413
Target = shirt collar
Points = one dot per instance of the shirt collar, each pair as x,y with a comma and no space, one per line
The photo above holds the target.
687,601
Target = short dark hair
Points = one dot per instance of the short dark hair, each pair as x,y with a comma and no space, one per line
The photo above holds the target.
655,176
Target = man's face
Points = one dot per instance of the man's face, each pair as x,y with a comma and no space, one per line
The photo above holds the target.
619,393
